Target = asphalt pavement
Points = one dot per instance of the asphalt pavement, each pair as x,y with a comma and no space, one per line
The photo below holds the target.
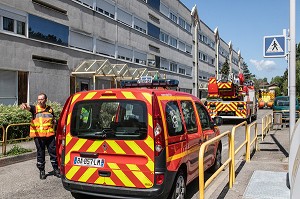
265,176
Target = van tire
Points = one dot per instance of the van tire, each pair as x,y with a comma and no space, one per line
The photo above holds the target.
218,161
178,190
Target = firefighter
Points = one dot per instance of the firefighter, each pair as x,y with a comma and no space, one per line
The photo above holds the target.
42,131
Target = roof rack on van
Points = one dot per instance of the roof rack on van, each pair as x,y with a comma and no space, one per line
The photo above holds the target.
149,83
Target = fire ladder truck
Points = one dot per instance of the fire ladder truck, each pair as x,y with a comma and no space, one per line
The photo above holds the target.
232,98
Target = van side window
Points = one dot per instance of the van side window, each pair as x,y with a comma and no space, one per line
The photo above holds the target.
174,122
189,116
204,117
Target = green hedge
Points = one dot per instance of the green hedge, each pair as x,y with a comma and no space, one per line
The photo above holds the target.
13,114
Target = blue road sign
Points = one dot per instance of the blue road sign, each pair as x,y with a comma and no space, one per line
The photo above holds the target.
274,46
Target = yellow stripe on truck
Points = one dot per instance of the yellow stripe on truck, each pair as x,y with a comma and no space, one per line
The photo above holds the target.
128,95
115,147
87,174
72,172
90,95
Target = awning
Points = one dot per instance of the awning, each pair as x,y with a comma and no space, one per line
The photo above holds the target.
117,71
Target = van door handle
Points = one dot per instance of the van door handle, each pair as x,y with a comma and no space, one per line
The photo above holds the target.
104,173
88,155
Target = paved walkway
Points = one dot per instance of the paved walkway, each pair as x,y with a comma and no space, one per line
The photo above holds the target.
264,177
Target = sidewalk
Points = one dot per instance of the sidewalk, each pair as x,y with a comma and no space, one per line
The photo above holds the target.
265,176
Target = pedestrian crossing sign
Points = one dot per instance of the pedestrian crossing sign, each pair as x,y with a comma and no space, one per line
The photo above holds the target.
274,46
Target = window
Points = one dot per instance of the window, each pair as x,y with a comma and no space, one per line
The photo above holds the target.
8,24
188,49
182,71
164,64
173,67
154,4
87,3
153,61
117,120
181,22
105,48
8,87
181,46
173,17
164,9
81,41
124,17
204,117
140,58
164,37
153,30
173,42
20,28
105,8
49,31
140,25
188,27
188,71
173,117
125,53
189,116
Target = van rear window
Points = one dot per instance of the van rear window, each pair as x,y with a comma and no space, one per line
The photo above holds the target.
110,119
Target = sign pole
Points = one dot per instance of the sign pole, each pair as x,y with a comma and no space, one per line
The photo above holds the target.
292,67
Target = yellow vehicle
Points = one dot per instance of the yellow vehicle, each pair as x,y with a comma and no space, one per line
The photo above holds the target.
266,99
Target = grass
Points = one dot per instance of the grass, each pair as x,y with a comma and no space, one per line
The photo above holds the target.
16,150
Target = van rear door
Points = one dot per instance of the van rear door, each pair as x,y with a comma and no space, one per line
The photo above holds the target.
107,139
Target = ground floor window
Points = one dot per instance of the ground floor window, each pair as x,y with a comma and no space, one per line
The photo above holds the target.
13,87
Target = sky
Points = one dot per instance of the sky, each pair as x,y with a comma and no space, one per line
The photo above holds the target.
245,23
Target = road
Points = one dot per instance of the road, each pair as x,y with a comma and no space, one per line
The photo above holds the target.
21,180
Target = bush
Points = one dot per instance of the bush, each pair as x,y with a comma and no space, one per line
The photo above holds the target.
13,114
16,150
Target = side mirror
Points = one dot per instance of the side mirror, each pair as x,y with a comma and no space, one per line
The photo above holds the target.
218,121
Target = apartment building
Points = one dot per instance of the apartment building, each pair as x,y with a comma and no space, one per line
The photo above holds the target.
64,46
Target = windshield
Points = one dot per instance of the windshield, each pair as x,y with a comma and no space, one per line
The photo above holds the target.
284,102
109,119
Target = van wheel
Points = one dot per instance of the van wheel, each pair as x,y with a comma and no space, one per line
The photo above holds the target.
218,161
178,190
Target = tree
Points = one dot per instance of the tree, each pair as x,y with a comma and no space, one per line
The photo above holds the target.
246,72
298,51
225,68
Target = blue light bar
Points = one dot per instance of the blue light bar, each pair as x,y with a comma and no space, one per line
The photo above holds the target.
151,84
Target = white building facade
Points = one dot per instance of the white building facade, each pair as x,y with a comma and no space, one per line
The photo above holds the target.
43,43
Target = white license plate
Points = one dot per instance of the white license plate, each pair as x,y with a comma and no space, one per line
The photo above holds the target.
93,162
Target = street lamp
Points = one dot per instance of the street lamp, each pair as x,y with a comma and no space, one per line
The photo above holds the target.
194,14
217,40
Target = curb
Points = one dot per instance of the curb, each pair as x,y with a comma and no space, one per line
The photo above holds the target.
5,161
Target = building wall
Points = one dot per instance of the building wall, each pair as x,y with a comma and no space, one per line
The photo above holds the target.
97,30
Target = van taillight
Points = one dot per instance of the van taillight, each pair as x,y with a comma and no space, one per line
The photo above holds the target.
159,141
63,136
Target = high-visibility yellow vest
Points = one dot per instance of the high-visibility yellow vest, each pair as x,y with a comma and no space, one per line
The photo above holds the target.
42,122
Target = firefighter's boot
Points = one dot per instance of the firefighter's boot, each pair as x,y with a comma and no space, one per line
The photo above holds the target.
42,175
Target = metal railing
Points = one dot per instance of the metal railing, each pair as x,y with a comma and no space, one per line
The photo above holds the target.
266,123
231,153
203,185
3,138
16,139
